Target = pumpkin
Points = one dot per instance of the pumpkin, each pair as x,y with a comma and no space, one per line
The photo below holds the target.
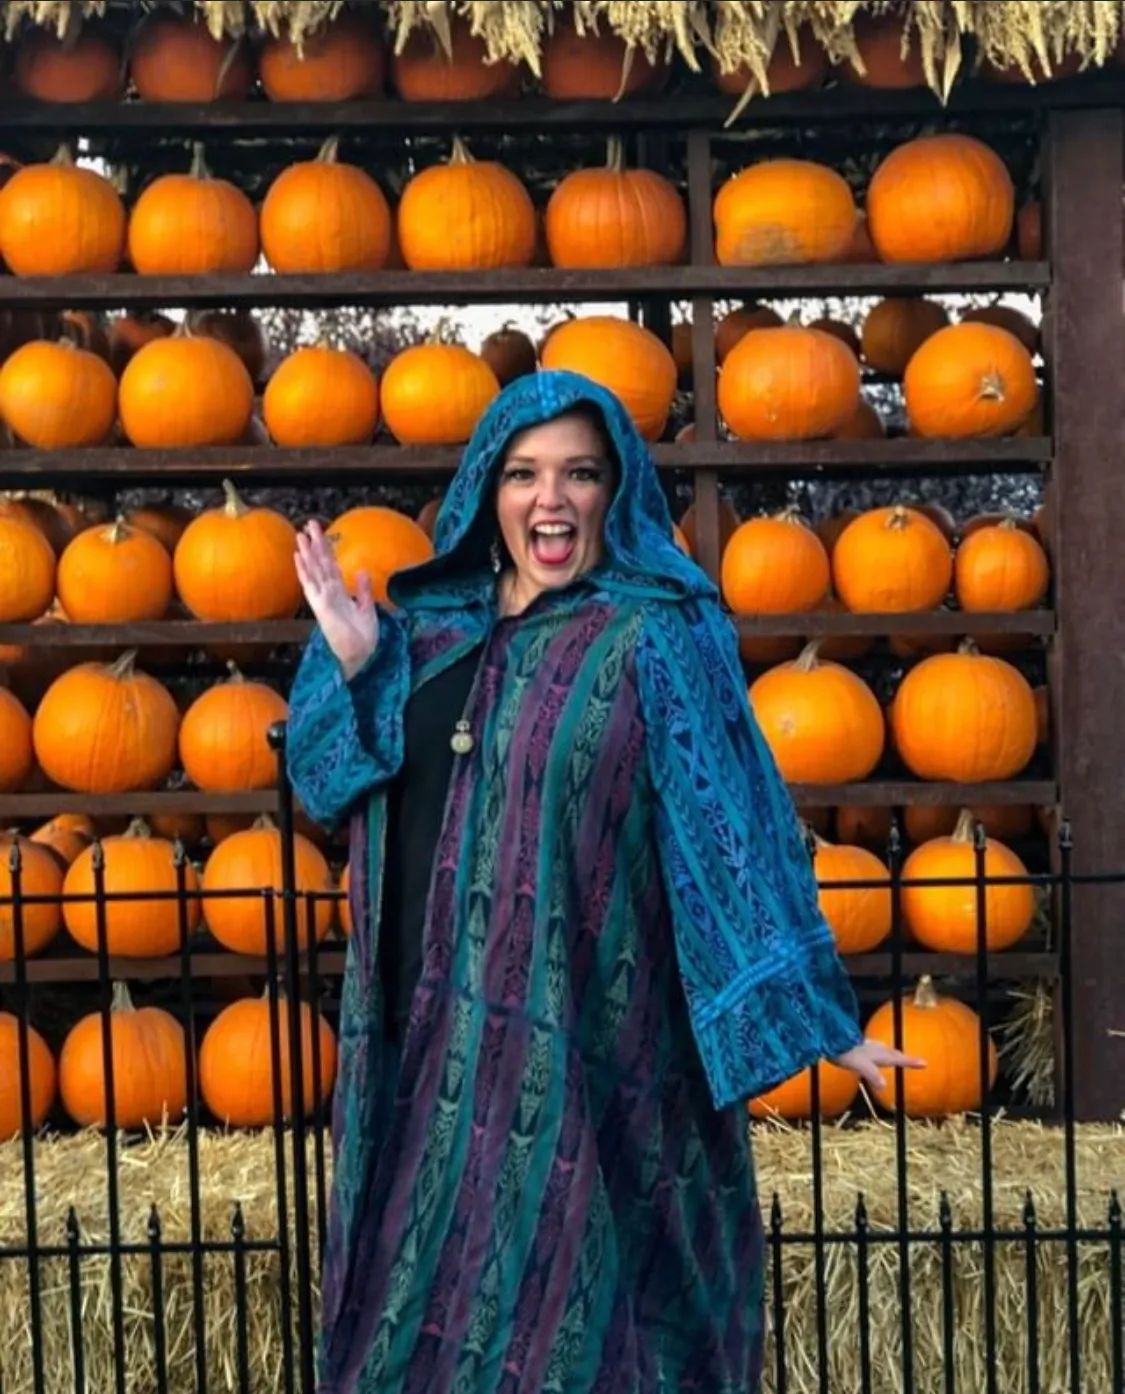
774,566
82,67
864,825
163,521
939,515
428,515
862,250
465,215
16,755
128,333
235,563
592,65
783,213
343,905
41,874
67,835
378,541
970,380
40,1075
239,330
114,575
891,560
729,523
859,916
435,393
944,918
842,648
57,396
896,329
768,649
946,1034
1042,697
322,215
59,220
86,329
27,571
792,1099
614,216
509,353
788,383
321,396
681,346
1029,231
58,523
839,329
236,1077
884,59
106,729
737,323
149,1066
964,716
980,521
625,358
786,71
1009,318
865,423
138,864
192,224
251,861
940,198
830,528
183,392
429,70
924,822
1001,567
175,58
343,61
822,723
224,736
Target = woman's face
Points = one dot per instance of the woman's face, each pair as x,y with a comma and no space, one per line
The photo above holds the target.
551,502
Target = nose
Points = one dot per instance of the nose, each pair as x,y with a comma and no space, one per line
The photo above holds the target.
550,491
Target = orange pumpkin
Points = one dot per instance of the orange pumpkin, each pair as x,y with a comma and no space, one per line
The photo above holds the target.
465,215
822,723
239,330
106,729
864,825
40,1074
321,396
429,70
964,716
251,861
343,61
236,563
616,216
185,391
224,736
593,65
41,874
378,541
859,916
128,333
793,1098
884,61
970,380
163,521
80,67
896,329
67,835
625,358
839,329
941,198
774,566
923,822
1029,231
428,515
135,863
55,396
27,571
343,905
509,353
149,1054
175,58
435,393
58,522
865,423
325,216
1001,567
830,528
946,1034
783,213
59,220
729,522
736,324
114,575
862,250
784,72
1009,318
236,1076
891,560
192,224
187,828
788,384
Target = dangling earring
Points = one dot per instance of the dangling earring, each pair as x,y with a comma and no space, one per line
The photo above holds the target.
494,555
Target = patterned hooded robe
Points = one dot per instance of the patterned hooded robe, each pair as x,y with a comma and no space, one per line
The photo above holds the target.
545,1191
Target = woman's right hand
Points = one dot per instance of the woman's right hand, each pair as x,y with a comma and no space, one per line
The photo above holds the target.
350,625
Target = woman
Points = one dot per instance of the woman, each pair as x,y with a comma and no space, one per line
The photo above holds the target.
585,924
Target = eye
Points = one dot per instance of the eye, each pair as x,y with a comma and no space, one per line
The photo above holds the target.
586,474
516,474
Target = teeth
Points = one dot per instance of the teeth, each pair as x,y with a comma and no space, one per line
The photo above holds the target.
553,529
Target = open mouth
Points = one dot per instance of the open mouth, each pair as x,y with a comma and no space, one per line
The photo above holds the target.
553,544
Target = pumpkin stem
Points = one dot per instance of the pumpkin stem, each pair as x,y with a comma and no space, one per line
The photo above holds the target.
329,152
117,531
460,154
968,646
965,831
63,157
234,671
898,518
199,168
263,823
791,513
925,994
234,507
123,667
138,828
807,661
184,329
121,1002
992,388
1009,523
615,154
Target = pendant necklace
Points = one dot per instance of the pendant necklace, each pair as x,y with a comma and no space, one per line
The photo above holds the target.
462,741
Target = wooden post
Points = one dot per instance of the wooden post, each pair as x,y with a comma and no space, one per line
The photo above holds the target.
1085,348
703,352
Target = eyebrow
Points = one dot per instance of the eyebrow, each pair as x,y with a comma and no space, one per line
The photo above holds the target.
570,460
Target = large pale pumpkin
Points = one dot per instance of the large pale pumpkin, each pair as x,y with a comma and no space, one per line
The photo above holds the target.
343,61
616,216
896,329
465,215
964,716
27,570
941,198
792,1100
891,560
137,864
175,58
188,390
106,729
59,220
625,358
378,541
79,67
970,380
859,915
235,563
192,224
1000,567
788,383
224,736
774,566
435,393
41,874
55,396
41,1077
321,396
114,575
822,722
783,213
16,755
946,1034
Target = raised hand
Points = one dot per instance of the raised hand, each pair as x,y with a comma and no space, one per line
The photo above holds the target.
871,1058
349,625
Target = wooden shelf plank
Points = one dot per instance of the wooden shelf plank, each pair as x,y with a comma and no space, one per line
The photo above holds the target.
954,622
888,793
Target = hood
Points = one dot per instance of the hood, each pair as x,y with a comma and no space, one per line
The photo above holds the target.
641,557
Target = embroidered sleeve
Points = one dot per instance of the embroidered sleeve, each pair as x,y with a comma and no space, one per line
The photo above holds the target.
766,990
345,737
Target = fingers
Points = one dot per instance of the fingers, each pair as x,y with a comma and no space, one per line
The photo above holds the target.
364,595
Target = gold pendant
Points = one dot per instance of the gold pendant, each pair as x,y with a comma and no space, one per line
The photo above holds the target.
461,740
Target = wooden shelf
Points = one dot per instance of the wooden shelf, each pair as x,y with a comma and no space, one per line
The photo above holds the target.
815,625
879,793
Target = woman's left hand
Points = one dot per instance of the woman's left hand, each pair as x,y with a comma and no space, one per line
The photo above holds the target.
869,1059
